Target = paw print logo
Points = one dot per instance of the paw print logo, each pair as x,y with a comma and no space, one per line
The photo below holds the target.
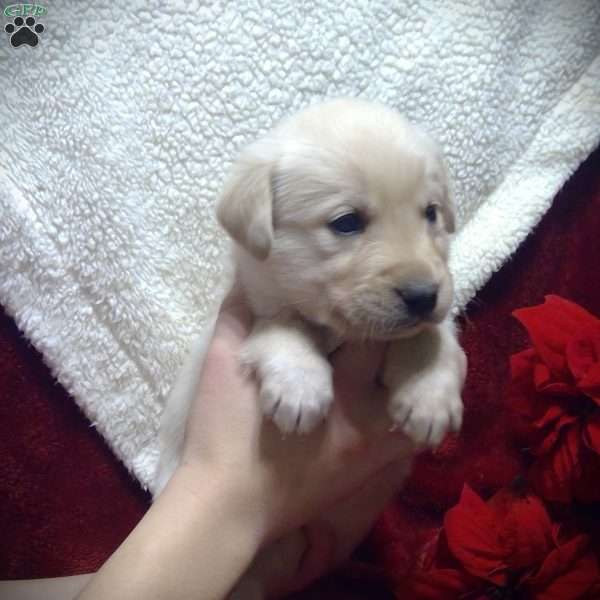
24,32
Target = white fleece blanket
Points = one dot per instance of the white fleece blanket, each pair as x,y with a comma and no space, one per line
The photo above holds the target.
116,130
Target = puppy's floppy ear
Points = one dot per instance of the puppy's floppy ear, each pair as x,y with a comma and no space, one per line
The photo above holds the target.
245,209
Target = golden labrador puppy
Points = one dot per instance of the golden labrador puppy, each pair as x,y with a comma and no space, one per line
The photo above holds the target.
341,217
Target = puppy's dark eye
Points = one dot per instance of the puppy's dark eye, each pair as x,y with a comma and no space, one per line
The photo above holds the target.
431,213
349,224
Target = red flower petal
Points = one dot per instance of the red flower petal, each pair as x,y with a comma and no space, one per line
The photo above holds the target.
472,536
567,573
545,382
554,474
551,326
583,356
591,433
526,528
557,421
586,482
559,388
541,376
553,413
442,584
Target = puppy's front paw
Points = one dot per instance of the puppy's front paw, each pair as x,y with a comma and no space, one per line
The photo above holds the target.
427,407
295,393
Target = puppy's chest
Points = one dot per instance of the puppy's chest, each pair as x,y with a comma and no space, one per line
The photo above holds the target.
331,341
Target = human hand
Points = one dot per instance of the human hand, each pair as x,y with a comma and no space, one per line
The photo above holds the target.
282,482
303,555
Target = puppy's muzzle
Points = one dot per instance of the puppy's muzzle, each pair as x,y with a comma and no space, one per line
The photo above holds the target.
419,298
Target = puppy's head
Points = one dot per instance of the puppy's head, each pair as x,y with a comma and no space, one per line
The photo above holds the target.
346,208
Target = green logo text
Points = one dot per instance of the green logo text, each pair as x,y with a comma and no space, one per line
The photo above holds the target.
25,10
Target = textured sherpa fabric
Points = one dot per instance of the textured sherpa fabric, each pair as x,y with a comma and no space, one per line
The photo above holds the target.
116,131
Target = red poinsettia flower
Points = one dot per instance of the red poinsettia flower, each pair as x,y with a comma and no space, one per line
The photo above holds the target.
556,388
507,547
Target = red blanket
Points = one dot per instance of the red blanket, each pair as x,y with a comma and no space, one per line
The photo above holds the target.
66,503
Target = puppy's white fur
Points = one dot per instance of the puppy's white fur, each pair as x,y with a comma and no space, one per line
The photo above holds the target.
310,289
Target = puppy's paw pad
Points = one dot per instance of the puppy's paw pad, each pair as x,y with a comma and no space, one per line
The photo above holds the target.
296,396
426,409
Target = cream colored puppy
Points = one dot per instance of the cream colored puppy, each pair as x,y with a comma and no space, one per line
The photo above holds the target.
340,218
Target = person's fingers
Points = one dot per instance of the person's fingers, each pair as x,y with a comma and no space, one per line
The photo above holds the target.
277,565
317,558
352,518
331,539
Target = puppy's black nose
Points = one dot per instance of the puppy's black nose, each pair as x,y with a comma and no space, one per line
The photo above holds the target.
419,298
